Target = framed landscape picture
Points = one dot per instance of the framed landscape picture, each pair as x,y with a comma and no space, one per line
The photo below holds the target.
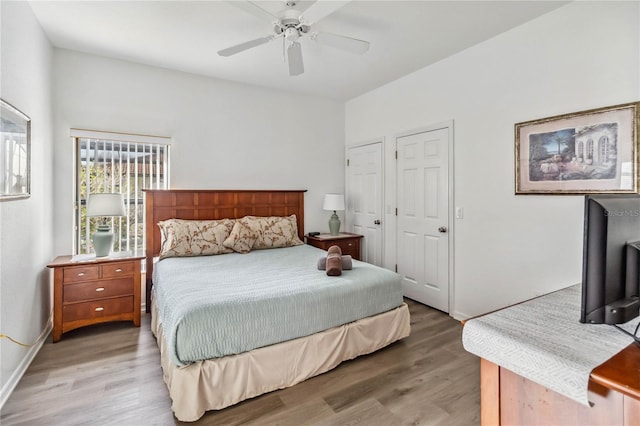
586,152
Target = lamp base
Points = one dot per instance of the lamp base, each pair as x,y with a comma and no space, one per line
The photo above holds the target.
334,224
102,240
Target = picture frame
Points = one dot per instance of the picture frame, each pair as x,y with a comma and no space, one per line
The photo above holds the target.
587,152
15,153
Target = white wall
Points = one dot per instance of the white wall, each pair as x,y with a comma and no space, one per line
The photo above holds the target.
509,248
25,225
225,135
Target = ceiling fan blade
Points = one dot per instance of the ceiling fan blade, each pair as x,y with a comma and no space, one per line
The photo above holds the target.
253,9
321,9
349,44
294,55
244,46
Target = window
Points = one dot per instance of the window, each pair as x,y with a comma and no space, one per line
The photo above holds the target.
604,150
580,151
115,162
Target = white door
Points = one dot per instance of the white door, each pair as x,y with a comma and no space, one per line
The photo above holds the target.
423,216
364,198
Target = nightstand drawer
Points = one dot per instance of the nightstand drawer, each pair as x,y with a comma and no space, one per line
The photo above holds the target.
347,247
118,269
81,274
98,309
98,290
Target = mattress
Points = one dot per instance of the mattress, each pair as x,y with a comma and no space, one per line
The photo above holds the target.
214,306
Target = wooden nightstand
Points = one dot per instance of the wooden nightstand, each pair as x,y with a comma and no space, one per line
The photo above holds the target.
348,243
95,291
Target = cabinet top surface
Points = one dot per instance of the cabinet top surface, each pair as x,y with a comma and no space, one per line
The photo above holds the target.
342,235
548,326
67,260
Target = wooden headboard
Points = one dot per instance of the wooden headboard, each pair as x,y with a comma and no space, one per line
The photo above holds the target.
208,204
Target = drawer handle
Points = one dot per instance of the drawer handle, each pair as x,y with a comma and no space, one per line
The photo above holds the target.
118,270
81,274
99,308
100,289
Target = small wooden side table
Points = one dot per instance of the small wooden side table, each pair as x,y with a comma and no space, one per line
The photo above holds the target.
349,243
95,291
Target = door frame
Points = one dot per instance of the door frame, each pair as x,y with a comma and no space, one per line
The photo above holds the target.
451,200
381,141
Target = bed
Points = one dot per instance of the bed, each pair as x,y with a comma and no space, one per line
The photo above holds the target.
234,326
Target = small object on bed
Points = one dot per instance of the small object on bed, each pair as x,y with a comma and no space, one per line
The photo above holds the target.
334,261
347,263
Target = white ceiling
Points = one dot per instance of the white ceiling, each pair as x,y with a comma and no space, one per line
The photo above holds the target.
186,35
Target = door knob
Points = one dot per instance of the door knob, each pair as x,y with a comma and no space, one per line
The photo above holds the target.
376,222
442,229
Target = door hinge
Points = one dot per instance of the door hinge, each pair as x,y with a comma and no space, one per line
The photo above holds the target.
396,211
396,267
347,162
396,154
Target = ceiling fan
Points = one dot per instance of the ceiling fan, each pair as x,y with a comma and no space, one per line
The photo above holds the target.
293,25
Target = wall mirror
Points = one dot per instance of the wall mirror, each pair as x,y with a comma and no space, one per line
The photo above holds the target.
15,155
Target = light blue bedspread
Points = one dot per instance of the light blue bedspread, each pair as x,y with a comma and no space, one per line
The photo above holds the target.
213,306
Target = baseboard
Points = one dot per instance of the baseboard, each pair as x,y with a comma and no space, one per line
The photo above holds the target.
13,381
460,316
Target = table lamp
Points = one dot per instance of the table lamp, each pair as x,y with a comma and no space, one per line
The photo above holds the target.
334,202
104,205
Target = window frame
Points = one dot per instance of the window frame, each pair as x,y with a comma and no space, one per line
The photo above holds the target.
120,139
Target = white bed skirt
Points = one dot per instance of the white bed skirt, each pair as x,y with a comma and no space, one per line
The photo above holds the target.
218,383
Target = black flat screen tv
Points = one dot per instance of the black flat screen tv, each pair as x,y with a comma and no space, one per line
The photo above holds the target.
611,259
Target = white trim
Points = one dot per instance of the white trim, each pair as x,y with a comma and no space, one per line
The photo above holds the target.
364,143
13,381
452,218
117,136
441,125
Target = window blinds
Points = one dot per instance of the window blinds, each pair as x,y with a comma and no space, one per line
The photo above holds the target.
121,163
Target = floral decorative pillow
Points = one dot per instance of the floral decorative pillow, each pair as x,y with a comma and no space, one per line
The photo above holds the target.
273,231
241,238
181,238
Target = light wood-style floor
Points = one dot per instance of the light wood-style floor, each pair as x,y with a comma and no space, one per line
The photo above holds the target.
110,375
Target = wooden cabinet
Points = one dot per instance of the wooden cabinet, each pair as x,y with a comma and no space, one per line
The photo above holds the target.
614,393
348,243
91,292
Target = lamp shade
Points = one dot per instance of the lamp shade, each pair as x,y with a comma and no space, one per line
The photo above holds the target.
105,205
333,202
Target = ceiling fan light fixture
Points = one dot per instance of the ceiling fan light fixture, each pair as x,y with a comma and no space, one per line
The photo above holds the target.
291,34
